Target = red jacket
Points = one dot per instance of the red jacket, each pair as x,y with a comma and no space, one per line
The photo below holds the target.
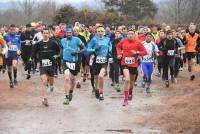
126,46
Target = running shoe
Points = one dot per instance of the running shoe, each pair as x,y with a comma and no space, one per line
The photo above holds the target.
101,97
11,84
97,94
167,83
143,84
192,77
66,101
117,87
148,91
125,103
15,82
78,85
45,102
28,76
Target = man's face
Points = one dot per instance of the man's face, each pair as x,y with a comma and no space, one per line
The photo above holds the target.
28,29
69,34
154,29
148,38
100,32
162,34
192,29
46,34
117,35
12,30
170,36
145,30
131,35
86,29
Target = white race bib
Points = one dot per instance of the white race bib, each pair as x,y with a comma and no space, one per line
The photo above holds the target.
101,60
110,60
12,48
170,52
71,65
27,43
46,63
129,60
148,59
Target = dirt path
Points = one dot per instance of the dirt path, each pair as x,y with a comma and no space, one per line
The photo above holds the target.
22,112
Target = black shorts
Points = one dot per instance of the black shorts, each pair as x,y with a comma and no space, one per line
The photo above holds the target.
132,70
85,61
190,55
97,68
9,61
47,70
74,72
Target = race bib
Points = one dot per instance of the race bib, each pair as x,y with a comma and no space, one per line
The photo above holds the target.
101,60
71,65
27,43
46,63
129,60
110,60
12,48
170,52
148,59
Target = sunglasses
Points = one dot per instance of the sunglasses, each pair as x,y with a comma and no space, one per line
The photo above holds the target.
100,31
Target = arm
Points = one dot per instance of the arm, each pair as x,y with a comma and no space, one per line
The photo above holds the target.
142,50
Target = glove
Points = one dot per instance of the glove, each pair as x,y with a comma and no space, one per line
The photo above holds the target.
30,60
18,52
56,57
97,49
74,53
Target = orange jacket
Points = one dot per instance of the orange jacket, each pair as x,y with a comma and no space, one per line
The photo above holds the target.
191,42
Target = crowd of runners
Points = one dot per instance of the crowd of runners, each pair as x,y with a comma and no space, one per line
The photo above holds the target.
96,51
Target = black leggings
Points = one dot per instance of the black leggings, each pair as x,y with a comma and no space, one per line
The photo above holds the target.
168,63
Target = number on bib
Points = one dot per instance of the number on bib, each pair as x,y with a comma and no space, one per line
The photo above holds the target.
71,65
129,60
46,63
148,59
101,60
170,52
110,60
12,48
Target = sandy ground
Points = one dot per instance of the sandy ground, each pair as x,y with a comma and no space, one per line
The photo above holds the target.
166,111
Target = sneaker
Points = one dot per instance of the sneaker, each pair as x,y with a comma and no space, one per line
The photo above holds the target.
28,76
167,83
78,85
84,79
192,77
97,94
51,88
15,82
117,87
55,76
143,84
125,103
101,97
158,75
11,84
66,101
112,84
70,96
45,102
148,91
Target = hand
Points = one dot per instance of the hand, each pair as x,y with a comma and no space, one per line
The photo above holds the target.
74,53
18,52
56,57
30,60
97,49
119,56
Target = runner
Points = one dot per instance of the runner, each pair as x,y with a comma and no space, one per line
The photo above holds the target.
192,40
48,51
101,47
132,48
169,46
148,61
14,46
71,49
26,48
115,65
3,51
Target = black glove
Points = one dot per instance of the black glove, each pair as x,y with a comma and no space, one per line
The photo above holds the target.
74,53
97,49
